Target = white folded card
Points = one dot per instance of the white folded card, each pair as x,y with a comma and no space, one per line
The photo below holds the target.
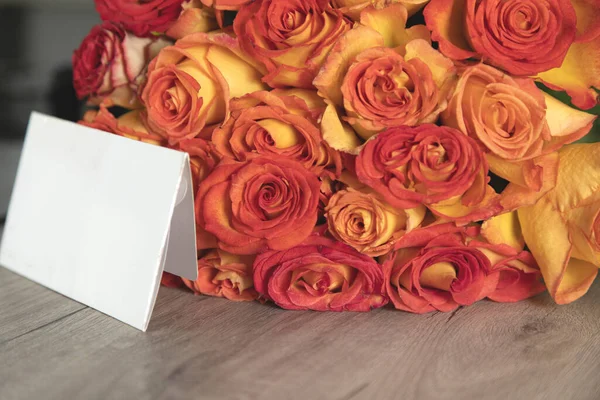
98,217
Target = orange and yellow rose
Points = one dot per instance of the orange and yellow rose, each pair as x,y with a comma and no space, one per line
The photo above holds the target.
221,274
511,117
377,78
189,85
367,222
518,126
280,123
290,38
442,267
322,275
562,230
265,203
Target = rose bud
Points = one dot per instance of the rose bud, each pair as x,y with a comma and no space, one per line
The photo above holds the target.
375,79
141,17
515,272
436,166
434,269
363,220
194,18
353,8
523,37
562,230
282,123
265,203
170,280
290,39
221,274
190,84
203,158
129,125
322,275
110,63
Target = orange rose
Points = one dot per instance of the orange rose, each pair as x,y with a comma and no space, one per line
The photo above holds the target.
130,125
353,8
322,275
281,122
221,274
367,223
195,17
511,117
523,37
190,84
372,87
436,166
290,38
261,204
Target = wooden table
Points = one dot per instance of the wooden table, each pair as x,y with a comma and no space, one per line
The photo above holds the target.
205,348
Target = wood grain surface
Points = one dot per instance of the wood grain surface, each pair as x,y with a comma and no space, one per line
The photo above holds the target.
206,348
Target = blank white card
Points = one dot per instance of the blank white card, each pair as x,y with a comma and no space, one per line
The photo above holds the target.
98,217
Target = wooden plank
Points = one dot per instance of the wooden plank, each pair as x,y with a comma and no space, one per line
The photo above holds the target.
25,306
200,347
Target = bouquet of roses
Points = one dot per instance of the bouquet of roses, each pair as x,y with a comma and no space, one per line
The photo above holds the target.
347,154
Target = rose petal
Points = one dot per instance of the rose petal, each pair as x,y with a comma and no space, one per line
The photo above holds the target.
566,124
579,74
504,229
390,22
331,76
446,20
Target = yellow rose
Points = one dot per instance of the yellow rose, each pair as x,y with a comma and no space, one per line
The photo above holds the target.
562,230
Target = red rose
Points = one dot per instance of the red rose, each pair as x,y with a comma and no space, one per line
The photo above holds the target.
436,166
434,269
266,203
290,38
109,63
142,17
321,275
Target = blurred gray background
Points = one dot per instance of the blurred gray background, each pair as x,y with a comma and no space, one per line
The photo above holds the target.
37,38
